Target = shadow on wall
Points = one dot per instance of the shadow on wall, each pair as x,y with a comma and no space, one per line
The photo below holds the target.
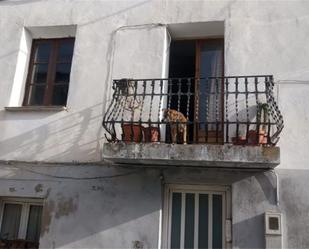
253,193
252,197
17,2
108,212
294,199
61,137
250,233
111,212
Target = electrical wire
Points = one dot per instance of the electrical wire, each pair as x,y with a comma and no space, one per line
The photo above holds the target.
82,178
78,178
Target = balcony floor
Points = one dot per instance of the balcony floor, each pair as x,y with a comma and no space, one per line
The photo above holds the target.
193,155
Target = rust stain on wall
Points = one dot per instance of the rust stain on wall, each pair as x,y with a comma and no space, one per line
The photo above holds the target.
48,209
58,208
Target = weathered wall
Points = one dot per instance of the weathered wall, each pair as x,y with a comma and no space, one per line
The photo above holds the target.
260,38
96,212
268,38
86,207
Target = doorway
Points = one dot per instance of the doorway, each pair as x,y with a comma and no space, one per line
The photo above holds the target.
196,216
196,88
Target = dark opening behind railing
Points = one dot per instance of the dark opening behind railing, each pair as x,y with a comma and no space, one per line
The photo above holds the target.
238,109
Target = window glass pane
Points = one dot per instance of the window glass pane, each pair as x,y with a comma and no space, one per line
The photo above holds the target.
11,221
37,95
203,221
189,221
39,73
42,52
34,223
217,221
211,65
273,223
60,95
66,51
63,72
211,60
176,220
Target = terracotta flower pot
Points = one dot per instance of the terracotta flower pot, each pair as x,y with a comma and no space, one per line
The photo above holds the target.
132,133
240,141
252,137
151,134
262,137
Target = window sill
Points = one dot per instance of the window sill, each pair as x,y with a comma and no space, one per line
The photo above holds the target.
35,108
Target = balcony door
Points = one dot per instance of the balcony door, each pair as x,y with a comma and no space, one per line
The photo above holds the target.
209,87
200,100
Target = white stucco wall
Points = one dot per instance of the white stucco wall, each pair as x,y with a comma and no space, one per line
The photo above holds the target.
260,38
268,37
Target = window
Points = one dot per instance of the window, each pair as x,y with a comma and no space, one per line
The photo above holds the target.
21,219
49,72
197,217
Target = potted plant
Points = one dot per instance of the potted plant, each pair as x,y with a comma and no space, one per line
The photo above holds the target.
259,136
262,117
151,134
132,130
240,140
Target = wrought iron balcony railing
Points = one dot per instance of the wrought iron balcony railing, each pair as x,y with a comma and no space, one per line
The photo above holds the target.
239,110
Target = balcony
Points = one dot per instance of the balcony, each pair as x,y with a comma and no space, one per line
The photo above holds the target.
216,121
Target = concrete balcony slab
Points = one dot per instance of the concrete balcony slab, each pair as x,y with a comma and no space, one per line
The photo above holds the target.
193,155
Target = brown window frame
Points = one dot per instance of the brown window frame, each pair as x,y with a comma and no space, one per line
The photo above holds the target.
51,70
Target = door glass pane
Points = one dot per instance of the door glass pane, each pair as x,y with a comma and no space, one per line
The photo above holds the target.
60,94
211,65
37,95
203,221
39,73
217,221
182,65
189,221
66,51
42,52
176,220
63,72
11,221
34,223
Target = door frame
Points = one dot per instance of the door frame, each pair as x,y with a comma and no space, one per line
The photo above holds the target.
223,190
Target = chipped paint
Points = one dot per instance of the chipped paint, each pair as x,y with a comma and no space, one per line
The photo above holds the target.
12,189
66,206
97,188
38,188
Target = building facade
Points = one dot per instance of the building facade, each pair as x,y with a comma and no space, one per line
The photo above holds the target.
193,97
